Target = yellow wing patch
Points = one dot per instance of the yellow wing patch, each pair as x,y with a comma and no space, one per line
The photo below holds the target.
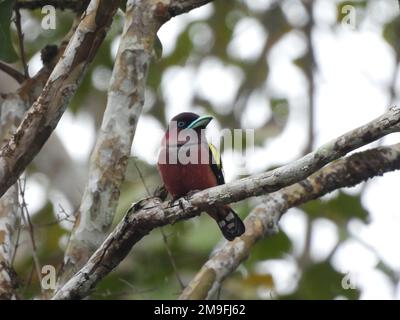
216,156
216,164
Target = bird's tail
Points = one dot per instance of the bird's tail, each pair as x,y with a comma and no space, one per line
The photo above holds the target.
228,221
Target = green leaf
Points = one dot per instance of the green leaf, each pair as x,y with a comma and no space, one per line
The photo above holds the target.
7,52
340,209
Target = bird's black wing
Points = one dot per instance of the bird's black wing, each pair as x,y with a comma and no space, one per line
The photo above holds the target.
216,164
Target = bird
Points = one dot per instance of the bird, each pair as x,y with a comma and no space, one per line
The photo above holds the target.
187,163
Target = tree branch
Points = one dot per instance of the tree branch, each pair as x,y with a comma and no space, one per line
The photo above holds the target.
9,217
151,213
124,105
12,111
62,84
109,158
13,108
75,5
15,74
178,7
264,218
21,42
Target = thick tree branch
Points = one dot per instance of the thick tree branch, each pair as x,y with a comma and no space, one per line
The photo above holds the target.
21,42
12,111
109,158
75,5
62,84
178,7
124,105
9,217
15,74
151,213
264,218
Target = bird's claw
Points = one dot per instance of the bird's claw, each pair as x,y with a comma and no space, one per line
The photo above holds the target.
190,194
171,202
186,197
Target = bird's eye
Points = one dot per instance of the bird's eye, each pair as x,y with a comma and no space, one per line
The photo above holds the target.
181,124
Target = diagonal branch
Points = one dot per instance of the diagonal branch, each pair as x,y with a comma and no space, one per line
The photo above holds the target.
124,105
75,5
43,116
13,108
264,218
178,7
109,158
21,42
15,74
151,213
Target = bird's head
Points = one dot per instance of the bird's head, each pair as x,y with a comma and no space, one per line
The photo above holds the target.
189,120
180,125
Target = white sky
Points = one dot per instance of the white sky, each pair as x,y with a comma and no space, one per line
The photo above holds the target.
354,69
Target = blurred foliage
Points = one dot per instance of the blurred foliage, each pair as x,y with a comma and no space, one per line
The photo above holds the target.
7,52
321,281
339,209
147,272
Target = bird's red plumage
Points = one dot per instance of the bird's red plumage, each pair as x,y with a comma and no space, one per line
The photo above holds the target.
180,177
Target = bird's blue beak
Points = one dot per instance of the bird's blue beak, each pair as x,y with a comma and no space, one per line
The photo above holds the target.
200,122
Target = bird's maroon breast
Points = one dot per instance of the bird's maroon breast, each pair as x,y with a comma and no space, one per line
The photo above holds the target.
180,178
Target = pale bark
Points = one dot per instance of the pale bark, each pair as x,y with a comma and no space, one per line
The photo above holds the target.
124,105
76,5
263,220
43,116
12,110
151,213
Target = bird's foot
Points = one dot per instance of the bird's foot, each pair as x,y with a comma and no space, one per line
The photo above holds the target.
176,202
161,192
171,203
190,194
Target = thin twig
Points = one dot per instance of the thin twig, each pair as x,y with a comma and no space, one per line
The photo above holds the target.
75,5
164,237
171,259
304,259
141,177
15,74
309,72
27,222
21,42
67,217
16,246
29,280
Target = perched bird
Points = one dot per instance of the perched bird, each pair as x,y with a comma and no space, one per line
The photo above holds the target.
188,163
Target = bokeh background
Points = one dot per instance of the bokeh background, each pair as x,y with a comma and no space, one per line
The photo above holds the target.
254,64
